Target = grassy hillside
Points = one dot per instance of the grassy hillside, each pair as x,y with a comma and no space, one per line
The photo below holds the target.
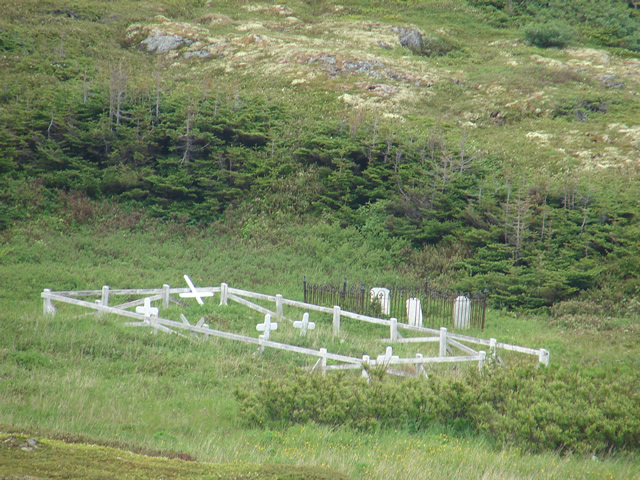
297,139
81,375
517,160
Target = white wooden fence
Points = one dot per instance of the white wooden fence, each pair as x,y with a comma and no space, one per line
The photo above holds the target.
147,316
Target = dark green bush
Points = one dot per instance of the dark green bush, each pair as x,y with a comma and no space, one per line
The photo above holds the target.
549,34
562,410
438,46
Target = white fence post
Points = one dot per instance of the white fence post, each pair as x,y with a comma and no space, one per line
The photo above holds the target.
544,357
224,292
48,307
279,309
483,356
365,366
336,320
323,364
493,350
443,342
393,325
165,295
104,301
420,367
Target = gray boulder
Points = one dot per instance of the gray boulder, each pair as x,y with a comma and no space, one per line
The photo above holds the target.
409,38
164,43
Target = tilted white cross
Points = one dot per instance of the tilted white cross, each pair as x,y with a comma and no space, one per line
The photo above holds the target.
304,325
195,293
199,324
387,358
267,326
147,310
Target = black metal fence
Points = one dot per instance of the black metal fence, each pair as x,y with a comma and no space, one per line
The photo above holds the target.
437,305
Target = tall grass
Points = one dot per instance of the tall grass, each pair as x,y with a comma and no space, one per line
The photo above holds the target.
87,375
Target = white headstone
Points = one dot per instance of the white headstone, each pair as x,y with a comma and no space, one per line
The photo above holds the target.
387,358
462,312
414,312
195,293
381,295
267,326
304,325
147,310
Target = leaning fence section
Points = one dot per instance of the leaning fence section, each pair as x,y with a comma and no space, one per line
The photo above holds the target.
436,307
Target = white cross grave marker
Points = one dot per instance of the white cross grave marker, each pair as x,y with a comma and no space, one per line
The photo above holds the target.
382,296
304,325
147,310
414,312
267,326
195,293
387,358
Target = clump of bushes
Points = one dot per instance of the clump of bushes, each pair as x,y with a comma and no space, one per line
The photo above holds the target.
548,34
564,410
437,46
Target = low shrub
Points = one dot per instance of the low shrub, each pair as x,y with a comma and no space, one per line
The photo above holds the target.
534,409
437,46
549,34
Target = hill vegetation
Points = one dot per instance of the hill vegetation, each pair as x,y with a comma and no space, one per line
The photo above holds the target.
480,144
523,160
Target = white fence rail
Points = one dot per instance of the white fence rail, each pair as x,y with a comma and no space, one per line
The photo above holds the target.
147,316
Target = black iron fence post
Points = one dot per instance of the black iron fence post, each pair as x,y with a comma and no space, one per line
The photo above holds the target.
344,290
484,304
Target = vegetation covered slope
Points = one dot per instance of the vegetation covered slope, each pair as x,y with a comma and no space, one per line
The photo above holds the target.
87,376
521,159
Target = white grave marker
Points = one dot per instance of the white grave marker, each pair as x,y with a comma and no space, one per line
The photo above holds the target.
267,326
414,312
381,295
147,310
387,358
195,293
462,312
304,325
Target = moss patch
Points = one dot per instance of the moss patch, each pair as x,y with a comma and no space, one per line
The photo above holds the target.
22,456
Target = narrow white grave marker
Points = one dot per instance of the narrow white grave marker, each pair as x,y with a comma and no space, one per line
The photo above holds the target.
381,295
304,324
462,312
414,312
147,310
267,326
195,293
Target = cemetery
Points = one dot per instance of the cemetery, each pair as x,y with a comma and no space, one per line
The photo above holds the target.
452,346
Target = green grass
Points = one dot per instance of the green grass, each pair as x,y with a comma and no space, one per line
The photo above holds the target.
81,375
91,379
50,458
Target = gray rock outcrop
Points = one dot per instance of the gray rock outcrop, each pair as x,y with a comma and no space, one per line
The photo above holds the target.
163,43
409,38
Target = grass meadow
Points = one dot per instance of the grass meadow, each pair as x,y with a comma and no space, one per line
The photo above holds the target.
78,375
